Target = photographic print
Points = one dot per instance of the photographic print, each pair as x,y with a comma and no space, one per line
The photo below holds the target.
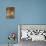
10,12
31,33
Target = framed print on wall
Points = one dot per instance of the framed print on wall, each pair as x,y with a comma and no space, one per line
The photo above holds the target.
10,12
